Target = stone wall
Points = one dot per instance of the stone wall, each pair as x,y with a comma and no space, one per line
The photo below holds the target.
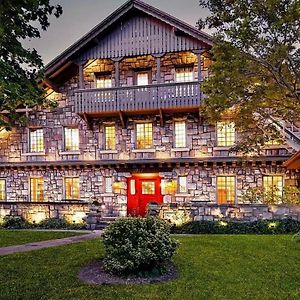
36,212
197,211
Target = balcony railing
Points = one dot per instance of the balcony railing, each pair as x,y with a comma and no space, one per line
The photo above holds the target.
139,98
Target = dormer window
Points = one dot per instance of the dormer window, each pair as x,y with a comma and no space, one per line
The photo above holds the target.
103,81
184,74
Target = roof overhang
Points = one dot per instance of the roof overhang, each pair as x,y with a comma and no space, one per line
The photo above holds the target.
293,163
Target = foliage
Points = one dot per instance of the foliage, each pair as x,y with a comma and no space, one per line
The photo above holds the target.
255,74
296,237
20,67
290,195
224,227
15,222
138,246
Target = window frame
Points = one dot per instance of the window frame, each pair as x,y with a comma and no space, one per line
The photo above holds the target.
144,131
184,67
65,139
110,190
175,135
31,190
65,187
103,74
105,136
30,131
272,177
178,184
235,188
4,191
147,71
225,143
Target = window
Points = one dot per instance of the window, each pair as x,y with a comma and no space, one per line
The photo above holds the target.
71,139
226,189
2,189
103,81
72,188
144,136
36,140
180,134
110,137
184,74
37,189
148,188
182,184
142,78
225,134
273,185
108,185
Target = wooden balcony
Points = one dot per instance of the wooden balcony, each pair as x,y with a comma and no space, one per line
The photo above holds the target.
138,99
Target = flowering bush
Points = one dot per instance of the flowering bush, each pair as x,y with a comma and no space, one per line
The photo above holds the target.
138,246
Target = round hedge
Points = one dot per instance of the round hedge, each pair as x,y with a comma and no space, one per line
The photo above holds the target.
137,245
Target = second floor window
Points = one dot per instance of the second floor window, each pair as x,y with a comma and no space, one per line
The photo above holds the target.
110,137
184,74
180,134
226,189
36,140
103,81
37,189
144,136
108,181
225,134
2,189
142,77
71,139
72,188
273,186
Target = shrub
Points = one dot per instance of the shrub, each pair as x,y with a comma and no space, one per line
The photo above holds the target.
59,223
223,227
15,222
138,246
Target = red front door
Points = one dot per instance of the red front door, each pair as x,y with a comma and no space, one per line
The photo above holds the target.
143,189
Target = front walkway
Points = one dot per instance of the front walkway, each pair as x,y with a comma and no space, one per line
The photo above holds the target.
50,243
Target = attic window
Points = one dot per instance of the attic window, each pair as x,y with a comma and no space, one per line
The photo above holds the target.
103,81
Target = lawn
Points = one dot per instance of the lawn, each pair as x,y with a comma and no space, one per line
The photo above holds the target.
211,267
16,237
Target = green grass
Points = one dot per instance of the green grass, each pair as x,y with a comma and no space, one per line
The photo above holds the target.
17,237
210,266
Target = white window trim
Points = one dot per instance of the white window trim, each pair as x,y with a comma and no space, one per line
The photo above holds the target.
235,188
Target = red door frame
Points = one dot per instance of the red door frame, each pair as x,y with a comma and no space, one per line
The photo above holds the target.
136,201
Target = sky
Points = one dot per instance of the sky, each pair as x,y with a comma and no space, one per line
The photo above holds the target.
80,16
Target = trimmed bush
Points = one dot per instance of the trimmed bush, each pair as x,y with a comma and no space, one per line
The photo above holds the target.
138,246
223,227
15,222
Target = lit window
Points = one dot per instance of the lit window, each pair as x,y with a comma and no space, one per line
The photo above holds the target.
148,188
274,142
103,81
71,139
37,189
142,78
273,185
108,185
184,74
36,140
110,138
144,136
2,189
226,189
225,134
182,184
72,188
180,134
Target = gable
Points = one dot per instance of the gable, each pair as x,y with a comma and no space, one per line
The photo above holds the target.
141,35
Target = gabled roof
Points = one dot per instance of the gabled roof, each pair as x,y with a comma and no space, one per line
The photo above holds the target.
61,60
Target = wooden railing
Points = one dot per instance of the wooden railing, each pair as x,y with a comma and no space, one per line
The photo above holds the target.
139,98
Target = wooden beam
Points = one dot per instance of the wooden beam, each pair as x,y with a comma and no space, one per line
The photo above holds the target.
161,115
117,73
81,75
88,121
158,72
122,119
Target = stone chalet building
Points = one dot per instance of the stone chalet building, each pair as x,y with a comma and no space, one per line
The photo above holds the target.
127,132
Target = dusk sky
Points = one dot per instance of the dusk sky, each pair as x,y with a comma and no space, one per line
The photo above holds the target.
80,16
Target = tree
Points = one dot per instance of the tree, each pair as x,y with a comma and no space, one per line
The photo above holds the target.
20,68
256,70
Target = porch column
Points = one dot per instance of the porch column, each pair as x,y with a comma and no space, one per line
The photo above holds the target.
158,66
199,66
81,76
117,61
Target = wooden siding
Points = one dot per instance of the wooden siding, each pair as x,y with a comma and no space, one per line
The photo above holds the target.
141,35
139,98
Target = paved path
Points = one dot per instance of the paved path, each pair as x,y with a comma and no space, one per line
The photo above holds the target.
50,243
